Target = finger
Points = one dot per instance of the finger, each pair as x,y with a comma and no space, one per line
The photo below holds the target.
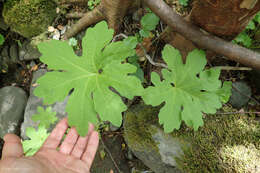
12,146
91,149
69,142
82,143
54,139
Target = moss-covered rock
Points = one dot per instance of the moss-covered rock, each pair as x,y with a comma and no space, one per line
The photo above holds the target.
226,143
29,17
148,142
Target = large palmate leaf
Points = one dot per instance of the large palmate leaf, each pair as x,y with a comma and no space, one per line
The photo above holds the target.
187,90
91,77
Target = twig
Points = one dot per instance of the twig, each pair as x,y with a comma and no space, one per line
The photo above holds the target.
233,68
119,35
148,57
226,113
109,153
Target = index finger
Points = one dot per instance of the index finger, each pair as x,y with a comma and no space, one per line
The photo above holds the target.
54,139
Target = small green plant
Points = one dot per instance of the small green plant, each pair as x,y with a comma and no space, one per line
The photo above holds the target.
184,2
73,42
37,137
187,90
93,3
45,117
245,38
148,23
2,39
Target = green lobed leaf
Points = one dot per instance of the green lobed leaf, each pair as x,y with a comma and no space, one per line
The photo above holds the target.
131,42
144,33
225,92
244,38
91,77
149,21
45,117
187,90
257,17
2,39
37,138
184,2
139,72
251,25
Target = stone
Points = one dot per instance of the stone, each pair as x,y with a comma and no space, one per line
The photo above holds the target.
148,141
12,103
28,52
241,94
13,52
34,102
29,17
9,57
4,59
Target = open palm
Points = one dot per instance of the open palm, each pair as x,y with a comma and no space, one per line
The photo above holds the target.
75,154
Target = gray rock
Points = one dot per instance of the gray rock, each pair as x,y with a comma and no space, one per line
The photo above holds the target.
148,141
9,57
34,102
12,103
4,59
13,52
241,94
28,52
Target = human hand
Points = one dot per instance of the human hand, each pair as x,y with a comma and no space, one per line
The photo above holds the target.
75,154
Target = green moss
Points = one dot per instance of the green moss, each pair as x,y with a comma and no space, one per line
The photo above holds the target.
226,143
138,122
29,17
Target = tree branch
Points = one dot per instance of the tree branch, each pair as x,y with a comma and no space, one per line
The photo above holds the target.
89,18
193,33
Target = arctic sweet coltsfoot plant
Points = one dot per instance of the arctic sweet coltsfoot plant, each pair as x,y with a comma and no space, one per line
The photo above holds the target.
45,117
96,79
92,78
187,90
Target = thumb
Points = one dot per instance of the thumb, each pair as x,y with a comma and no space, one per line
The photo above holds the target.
12,146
